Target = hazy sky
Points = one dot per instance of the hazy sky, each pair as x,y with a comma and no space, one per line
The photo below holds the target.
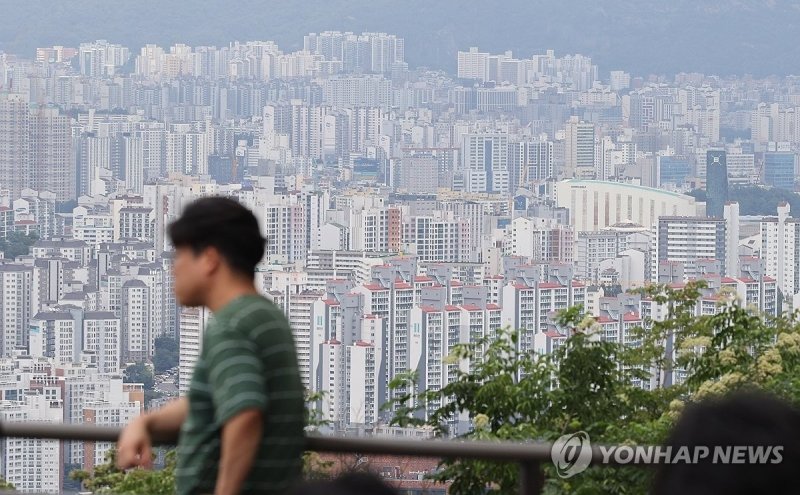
642,36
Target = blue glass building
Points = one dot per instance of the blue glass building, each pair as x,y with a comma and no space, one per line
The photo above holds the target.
779,170
673,170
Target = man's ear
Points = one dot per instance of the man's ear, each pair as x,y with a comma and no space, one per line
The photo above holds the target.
211,260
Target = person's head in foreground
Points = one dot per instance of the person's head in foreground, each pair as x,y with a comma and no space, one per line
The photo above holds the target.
217,244
757,423
347,484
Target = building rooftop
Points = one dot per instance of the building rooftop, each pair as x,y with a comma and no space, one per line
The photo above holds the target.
646,189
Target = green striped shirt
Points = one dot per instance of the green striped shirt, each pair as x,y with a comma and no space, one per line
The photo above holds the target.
248,361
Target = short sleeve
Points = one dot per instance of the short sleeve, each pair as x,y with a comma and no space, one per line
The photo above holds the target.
236,376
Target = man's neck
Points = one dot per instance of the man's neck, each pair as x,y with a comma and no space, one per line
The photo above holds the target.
224,293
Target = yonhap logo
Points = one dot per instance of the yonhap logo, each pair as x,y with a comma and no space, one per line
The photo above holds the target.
571,454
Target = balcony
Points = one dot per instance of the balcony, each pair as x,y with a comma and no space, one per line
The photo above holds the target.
528,456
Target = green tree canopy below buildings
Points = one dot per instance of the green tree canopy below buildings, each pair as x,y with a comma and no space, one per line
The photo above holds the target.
755,200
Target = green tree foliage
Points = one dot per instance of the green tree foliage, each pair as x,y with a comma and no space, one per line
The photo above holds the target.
314,466
17,244
107,478
590,385
142,373
139,373
757,200
166,354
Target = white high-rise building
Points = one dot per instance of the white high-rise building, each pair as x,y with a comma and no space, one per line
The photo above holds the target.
35,148
363,365
98,398
332,380
369,230
191,325
732,262
117,407
136,223
435,331
101,58
579,149
441,237
539,239
473,64
52,163
14,157
307,129
620,80
149,61
486,163
530,305
95,226
780,236
530,162
57,335
18,300
350,377
688,241
186,153
593,247
298,306
153,138
357,91
32,465
134,164
137,332
37,206
102,336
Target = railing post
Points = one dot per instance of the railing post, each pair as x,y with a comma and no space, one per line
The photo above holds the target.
531,479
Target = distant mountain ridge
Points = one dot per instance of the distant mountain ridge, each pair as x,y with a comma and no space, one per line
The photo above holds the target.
641,36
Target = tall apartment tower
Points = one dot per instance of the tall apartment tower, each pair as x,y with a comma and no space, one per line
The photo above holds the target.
780,247
579,149
35,149
14,166
50,153
716,183
689,241
192,322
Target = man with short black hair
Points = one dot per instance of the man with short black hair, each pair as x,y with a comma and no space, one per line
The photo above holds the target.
241,424
765,428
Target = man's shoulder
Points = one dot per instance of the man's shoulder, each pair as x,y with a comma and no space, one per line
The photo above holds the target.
257,313
256,308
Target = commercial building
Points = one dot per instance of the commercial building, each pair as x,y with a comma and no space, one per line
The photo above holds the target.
716,183
779,170
594,205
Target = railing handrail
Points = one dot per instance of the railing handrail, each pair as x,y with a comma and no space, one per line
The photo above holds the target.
528,455
457,448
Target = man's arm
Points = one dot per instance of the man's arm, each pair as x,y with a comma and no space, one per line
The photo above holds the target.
241,438
238,383
135,448
167,420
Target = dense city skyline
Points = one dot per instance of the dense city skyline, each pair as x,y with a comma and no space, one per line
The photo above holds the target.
407,210
642,37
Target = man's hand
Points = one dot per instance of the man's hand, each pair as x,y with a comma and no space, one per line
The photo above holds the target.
134,447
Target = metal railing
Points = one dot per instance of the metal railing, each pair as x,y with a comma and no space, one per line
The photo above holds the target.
528,456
